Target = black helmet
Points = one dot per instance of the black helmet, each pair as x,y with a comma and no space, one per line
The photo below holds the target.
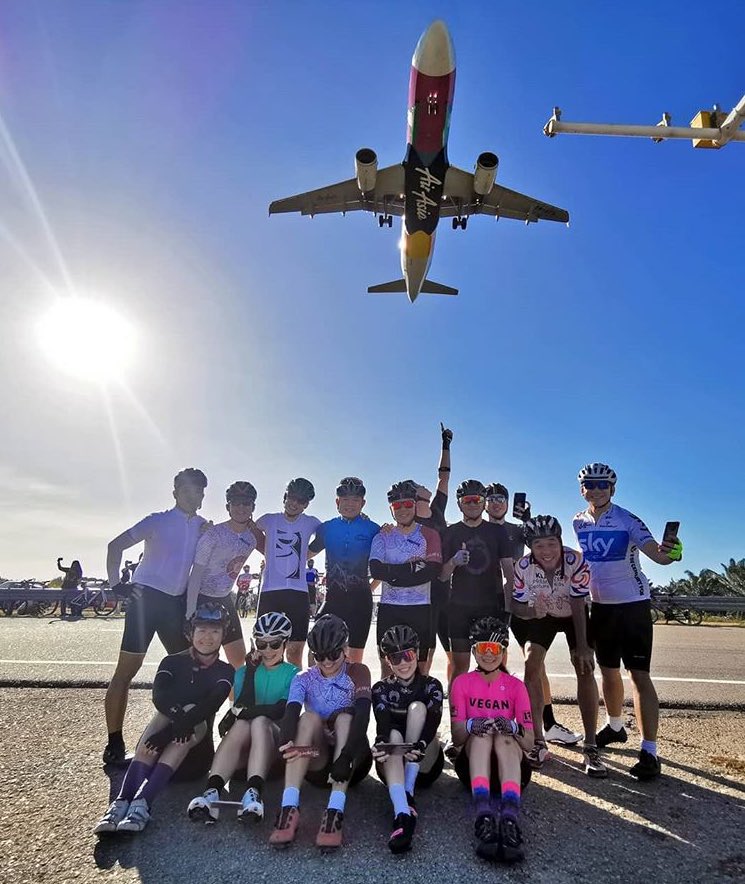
244,491
496,488
489,629
398,638
329,633
406,490
209,614
470,486
301,488
351,486
190,474
541,526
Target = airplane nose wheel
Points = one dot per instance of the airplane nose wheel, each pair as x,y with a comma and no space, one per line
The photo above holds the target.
460,222
385,220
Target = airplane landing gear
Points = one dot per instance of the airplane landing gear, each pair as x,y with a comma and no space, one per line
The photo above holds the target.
385,220
460,222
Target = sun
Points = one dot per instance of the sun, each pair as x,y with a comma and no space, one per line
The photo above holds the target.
87,339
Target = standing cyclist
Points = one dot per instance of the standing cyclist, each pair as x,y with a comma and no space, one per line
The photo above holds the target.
621,621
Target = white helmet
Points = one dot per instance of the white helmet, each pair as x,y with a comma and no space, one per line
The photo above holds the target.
597,471
273,625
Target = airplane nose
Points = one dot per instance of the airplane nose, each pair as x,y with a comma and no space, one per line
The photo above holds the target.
434,54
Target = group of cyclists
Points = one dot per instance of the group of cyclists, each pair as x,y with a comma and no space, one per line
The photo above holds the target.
465,584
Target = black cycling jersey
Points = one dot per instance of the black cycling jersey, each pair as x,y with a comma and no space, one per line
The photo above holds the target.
437,519
392,697
180,681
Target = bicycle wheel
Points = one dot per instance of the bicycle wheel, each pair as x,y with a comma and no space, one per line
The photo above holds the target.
688,616
45,609
7,608
654,611
104,607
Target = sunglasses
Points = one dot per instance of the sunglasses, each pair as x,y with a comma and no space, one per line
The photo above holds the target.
399,657
275,644
206,617
471,498
496,498
600,484
488,648
329,655
402,504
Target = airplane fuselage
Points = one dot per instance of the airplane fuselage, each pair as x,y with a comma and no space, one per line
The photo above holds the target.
431,89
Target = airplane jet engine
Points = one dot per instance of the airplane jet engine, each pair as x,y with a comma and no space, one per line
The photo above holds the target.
366,169
484,173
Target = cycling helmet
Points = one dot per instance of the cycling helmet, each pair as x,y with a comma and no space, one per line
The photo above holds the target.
241,491
489,629
273,625
541,526
351,487
329,633
209,614
597,471
470,486
406,490
496,488
398,638
301,488
190,474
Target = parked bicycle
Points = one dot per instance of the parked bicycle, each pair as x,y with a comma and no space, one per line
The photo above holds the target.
99,598
669,608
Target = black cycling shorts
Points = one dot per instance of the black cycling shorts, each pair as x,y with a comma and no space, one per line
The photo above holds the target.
544,630
291,602
355,609
463,770
622,632
440,595
460,618
418,617
150,611
234,631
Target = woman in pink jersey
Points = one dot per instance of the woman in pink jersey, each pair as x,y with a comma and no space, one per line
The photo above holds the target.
491,721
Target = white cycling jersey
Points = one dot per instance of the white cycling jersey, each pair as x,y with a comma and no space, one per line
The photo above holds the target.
611,549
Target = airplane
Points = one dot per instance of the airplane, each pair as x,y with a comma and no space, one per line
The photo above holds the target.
424,187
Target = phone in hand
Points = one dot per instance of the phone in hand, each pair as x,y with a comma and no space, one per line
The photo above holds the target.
306,751
392,748
670,534
518,504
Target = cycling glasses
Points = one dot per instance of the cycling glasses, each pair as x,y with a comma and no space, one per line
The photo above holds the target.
488,648
402,504
207,615
471,498
275,644
398,657
496,498
329,655
600,484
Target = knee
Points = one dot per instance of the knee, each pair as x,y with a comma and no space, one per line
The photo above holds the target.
417,710
260,725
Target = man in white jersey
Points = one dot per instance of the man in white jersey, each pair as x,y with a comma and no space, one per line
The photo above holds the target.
620,622
222,551
283,586
156,597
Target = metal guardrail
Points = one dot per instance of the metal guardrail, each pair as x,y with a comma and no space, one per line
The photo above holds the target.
711,603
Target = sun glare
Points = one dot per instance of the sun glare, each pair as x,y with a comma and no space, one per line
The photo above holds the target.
87,339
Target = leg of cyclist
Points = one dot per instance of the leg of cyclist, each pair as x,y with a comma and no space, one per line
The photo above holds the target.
647,710
115,703
588,701
393,776
330,831
263,752
486,828
509,758
535,655
227,758
235,651
416,715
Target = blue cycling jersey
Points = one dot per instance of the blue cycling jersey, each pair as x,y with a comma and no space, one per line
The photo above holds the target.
347,545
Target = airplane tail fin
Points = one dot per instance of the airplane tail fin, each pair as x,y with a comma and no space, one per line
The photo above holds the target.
429,287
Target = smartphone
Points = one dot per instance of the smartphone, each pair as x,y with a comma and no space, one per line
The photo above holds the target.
307,751
518,504
671,532
395,747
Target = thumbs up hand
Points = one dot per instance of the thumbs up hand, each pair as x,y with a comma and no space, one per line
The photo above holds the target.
462,557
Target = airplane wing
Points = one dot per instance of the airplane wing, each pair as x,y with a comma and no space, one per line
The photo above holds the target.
388,197
459,199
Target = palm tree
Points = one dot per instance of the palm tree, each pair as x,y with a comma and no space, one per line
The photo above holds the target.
733,578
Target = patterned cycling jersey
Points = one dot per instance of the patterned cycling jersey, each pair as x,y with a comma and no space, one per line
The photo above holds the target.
395,548
472,696
392,697
347,544
611,549
533,588
327,696
223,553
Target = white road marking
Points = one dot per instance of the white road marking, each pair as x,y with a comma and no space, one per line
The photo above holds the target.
68,662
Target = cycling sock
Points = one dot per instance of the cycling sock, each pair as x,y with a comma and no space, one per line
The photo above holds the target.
650,746
548,716
116,739
399,799
411,772
256,782
216,782
137,773
337,800
481,794
155,783
510,799
615,721
291,797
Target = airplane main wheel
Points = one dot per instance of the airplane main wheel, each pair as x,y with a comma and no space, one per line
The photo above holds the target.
456,222
463,223
390,220
381,221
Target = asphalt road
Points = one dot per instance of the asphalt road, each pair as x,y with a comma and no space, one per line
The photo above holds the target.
697,667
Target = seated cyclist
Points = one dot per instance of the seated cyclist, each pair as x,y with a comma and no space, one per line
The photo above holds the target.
552,588
492,723
187,691
336,697
250,729
408,708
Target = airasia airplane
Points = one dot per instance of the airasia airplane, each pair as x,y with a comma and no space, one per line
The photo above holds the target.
425,187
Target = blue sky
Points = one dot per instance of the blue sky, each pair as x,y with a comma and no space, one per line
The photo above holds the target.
155,135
